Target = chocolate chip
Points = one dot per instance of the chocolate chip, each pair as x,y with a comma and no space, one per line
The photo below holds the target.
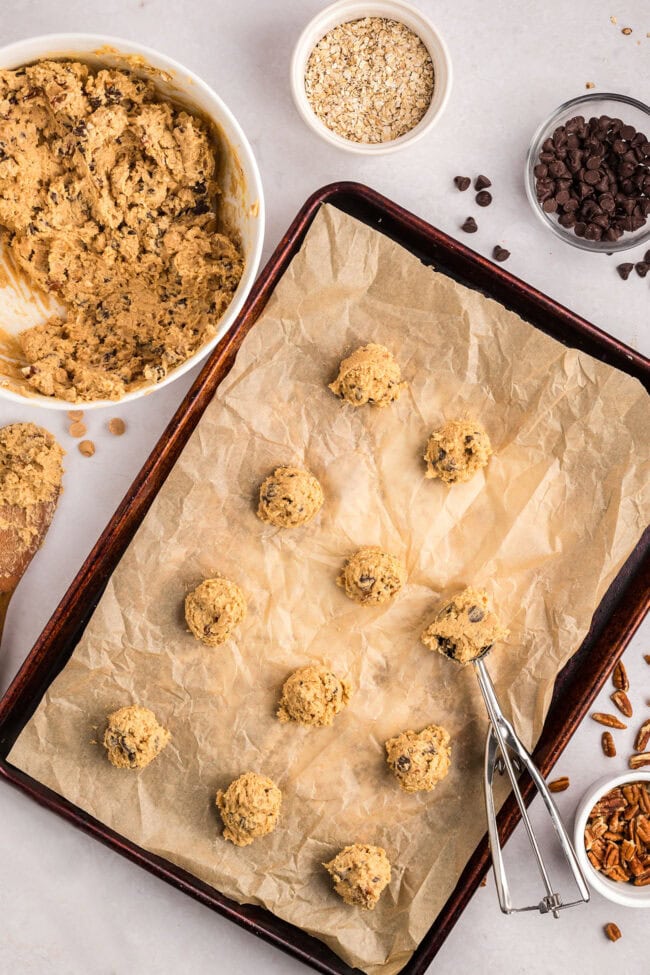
482,182
642,268
403,763
625,270
462,183
484,198
500,253
475,614
470,226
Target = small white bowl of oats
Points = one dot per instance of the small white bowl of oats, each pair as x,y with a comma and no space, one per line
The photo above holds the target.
371,78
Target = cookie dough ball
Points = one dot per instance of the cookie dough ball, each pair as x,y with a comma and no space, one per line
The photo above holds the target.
419,759
214,609
457,451
371,576
360,873
465,628
313,696
133,737
290,497
249,807
369,375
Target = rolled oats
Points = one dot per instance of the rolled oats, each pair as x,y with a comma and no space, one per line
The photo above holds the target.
370,80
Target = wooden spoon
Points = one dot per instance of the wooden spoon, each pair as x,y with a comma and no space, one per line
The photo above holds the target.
18,547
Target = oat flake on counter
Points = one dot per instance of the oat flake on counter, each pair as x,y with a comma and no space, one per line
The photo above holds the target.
370,80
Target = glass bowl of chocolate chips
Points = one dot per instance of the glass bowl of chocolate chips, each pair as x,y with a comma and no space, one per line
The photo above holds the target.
588,172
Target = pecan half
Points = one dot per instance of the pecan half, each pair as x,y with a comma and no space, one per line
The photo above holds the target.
620,678
643,737
608,719
613,931
607,741
622,702
639,760
559,785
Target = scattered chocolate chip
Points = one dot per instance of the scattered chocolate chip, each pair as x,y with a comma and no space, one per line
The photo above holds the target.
642,268
500,253
482,182
470,226
484,198
625,270
462,183
116,426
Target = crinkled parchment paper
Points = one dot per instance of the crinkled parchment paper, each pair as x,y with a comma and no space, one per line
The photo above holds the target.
562,504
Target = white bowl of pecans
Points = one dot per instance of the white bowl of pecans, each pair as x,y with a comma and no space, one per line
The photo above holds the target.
612,837
371,78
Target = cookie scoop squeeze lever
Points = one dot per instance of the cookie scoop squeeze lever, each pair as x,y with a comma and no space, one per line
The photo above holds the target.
465,630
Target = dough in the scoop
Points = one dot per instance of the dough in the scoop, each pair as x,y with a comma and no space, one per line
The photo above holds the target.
31,471
457,451
419,759
289,497
134,737
214,609
360,873
369,375
465,628
249,808
313,696
372,576
109,201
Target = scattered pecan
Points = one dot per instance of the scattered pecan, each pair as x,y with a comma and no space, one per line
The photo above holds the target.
639,760
608,719
646,657
612,931
643,737
622,702
620,678
607,741
559,785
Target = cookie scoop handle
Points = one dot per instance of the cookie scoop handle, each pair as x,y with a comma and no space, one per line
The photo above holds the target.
505,753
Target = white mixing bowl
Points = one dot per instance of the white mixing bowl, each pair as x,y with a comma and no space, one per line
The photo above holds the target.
242,202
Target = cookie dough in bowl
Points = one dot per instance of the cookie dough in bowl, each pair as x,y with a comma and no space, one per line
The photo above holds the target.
131,205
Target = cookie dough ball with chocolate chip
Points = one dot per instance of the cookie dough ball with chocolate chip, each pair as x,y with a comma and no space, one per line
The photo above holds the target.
134,737
457,451
465,628
249,808
369,375
290,497
360,873
214,609
372,576
419,759
313,696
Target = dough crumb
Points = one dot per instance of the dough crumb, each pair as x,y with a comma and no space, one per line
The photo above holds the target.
465,628
419,759
372,576
214,609
249,808
457,451
109,201
134,737
313,696
360,873
370,375
289,497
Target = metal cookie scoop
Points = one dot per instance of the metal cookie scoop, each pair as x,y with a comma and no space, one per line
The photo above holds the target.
505,752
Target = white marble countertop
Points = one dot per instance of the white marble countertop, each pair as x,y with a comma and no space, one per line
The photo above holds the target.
69,906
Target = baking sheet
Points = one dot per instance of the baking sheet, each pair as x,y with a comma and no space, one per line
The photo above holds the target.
561,507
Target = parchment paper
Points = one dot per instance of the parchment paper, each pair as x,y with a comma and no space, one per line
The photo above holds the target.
561,506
